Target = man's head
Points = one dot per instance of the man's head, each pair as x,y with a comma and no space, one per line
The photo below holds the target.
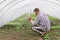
36,11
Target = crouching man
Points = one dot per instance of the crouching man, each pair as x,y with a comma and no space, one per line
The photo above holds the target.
41,24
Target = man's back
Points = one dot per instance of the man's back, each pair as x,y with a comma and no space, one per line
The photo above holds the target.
43,20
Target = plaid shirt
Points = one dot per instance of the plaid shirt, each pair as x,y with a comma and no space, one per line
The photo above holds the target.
43,21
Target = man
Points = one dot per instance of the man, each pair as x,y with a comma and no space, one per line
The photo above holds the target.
41,24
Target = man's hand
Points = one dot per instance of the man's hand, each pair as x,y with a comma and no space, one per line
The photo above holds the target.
29,19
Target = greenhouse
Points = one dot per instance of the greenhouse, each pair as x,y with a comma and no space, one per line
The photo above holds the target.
14,15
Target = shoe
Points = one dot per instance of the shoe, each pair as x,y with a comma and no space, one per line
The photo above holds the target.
43,33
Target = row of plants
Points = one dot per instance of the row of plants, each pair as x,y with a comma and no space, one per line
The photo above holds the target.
22,23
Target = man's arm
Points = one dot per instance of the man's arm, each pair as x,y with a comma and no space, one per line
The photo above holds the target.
30,19
32,22
35,22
